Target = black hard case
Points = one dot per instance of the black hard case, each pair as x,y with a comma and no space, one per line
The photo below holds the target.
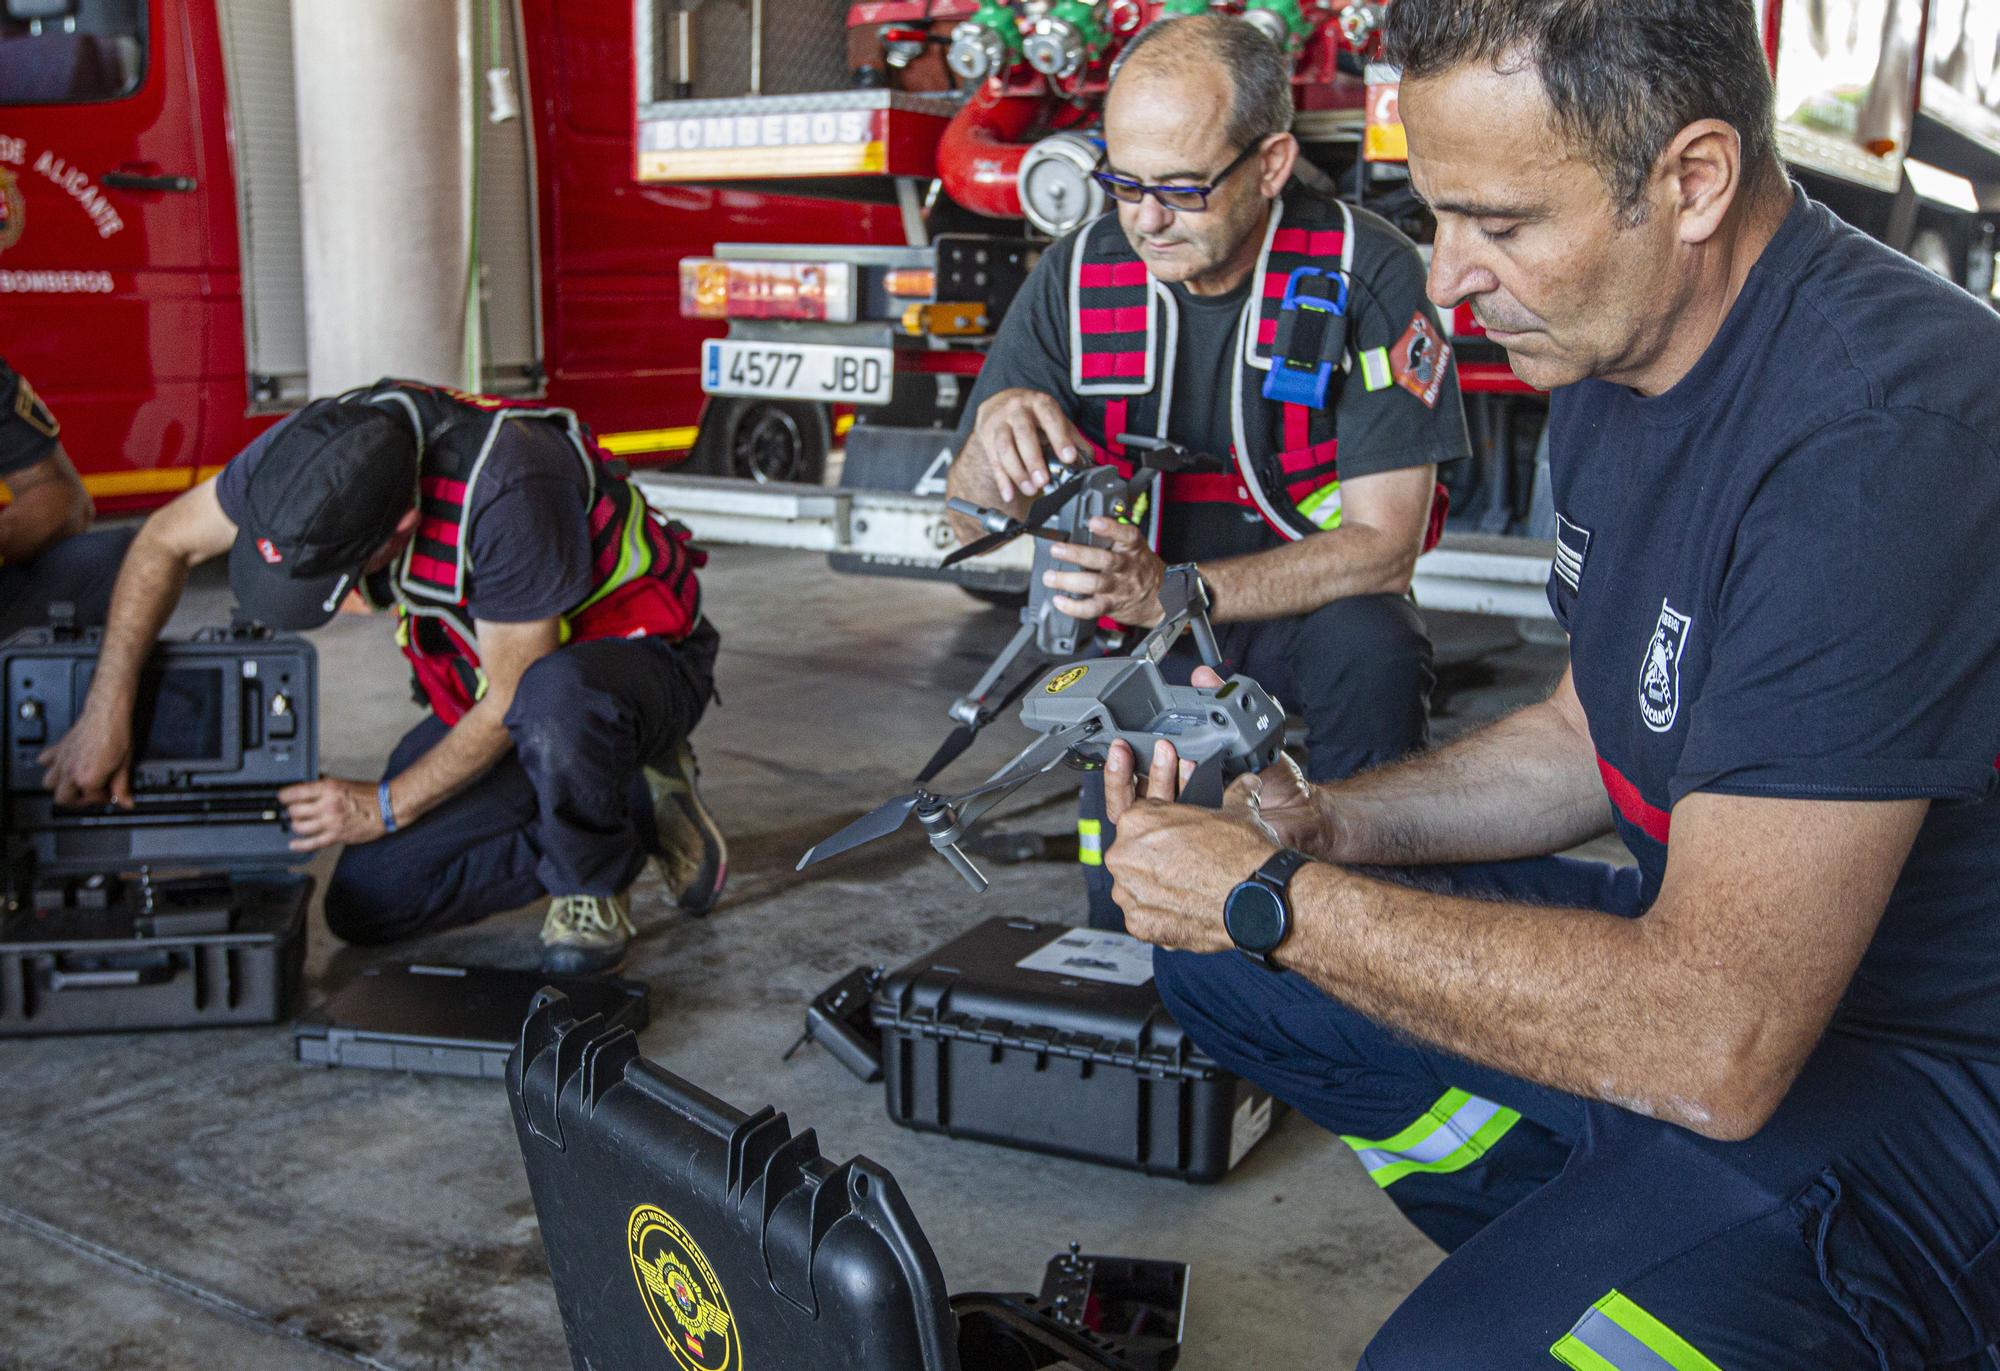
447,1020
789,1261
976,1047
97,936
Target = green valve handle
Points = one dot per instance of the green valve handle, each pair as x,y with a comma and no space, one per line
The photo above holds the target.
1084,18
999,18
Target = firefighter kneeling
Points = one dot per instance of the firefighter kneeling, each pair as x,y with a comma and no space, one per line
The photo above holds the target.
553,625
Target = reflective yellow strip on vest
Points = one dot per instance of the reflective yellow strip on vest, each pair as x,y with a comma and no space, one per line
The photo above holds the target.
1617,1335
1090,841
1452,1134
632,550
1323,505
1375,372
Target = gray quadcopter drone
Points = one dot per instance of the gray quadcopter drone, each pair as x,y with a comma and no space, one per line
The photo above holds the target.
1080,709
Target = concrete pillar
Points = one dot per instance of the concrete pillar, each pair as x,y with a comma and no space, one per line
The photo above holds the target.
383,184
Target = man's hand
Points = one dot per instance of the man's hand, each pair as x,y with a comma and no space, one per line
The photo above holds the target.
1121,580
1283,804
1173,865
330,811
92,763
1012,428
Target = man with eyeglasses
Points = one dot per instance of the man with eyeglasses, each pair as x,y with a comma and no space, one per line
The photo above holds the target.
1169,318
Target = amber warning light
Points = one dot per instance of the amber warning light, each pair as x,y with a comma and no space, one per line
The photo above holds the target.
714,289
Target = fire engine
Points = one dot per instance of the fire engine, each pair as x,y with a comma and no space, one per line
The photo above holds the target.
981,119
156,277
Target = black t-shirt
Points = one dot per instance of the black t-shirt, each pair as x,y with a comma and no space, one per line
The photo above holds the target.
1779,579
1379,430
27,429
528,544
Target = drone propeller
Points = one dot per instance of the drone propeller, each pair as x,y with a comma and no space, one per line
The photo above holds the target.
878,822
945,817
1005,530
961,738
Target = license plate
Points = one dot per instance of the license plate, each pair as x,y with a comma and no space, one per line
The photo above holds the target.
798,371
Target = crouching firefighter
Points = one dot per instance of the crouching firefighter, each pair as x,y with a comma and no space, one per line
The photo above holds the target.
1227,308
553,625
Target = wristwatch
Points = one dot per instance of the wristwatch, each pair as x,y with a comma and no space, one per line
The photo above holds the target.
1258,913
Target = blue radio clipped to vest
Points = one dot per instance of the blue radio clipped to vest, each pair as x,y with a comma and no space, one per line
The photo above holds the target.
1312,332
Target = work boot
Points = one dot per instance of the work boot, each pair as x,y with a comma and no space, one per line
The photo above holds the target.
586,935
694,860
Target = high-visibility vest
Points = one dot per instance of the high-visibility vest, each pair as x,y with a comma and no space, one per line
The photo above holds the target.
1123,328
643,566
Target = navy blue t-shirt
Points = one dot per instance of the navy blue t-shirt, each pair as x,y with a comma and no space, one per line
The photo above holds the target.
528,544
1781,578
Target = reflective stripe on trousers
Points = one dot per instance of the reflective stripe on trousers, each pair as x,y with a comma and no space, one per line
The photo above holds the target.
1451,1135
1617,1335
1090,841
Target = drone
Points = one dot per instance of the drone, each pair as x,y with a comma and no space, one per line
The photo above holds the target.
1080,709
1062,515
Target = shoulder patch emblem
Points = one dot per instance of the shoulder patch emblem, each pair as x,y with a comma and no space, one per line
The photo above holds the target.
30,410
1420,359
1660,673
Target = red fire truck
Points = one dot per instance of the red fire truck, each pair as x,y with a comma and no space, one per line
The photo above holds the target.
151,278
985,114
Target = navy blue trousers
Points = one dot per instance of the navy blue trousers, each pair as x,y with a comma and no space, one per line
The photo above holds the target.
567,812
1358,671
77,571
1859,1229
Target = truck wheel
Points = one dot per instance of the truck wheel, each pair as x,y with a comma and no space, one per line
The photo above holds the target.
764,440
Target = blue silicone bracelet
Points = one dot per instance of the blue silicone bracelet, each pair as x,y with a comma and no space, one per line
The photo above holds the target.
382,803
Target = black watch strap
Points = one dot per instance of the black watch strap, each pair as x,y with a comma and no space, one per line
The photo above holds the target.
1279,868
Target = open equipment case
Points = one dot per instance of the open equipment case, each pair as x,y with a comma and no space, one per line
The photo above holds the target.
182,911
681,1231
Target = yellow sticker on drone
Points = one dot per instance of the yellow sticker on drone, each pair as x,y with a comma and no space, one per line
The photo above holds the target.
1066,680
682,1293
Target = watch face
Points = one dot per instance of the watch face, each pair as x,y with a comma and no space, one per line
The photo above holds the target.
1254,917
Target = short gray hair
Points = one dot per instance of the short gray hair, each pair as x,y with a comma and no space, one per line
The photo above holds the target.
1622,76
1260,76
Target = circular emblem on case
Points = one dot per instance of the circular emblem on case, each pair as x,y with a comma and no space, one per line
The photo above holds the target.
13,210
1066,680
682,1293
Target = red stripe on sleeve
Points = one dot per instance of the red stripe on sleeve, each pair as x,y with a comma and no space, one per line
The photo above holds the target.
1625,797
442,488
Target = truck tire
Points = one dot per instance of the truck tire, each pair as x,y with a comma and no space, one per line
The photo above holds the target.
763,440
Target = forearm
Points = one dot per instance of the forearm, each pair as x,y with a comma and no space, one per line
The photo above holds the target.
1523,786
1600,1006
1300,577
40,517
149,586
972,476
473,746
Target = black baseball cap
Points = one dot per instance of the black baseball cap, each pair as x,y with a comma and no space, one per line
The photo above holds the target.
325,494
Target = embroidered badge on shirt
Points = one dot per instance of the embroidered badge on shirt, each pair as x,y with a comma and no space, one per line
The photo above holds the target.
28,407
1420,359
1660,674
1572,543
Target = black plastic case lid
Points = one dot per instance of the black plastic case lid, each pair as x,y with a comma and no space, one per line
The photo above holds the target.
683,1233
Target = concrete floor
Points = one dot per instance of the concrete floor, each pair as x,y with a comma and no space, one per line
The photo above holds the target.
199,1200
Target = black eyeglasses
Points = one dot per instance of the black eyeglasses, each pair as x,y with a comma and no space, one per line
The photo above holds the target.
1180,199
